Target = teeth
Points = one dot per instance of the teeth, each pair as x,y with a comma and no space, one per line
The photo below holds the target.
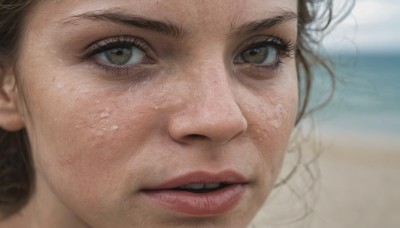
201,186
215,185
193,186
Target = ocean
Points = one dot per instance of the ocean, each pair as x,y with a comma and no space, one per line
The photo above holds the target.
367,94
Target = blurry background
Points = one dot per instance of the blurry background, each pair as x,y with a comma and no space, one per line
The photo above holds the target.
355,180
360,128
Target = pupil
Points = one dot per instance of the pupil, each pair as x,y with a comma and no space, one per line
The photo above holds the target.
255,55
254,52
119,56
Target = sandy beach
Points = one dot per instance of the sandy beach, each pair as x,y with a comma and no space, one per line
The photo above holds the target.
360,181
358,185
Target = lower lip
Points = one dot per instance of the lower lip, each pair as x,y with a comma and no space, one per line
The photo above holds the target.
198,204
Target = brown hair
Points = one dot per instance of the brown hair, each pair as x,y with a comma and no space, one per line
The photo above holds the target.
16,168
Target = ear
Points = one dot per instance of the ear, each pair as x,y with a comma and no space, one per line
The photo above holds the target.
10,115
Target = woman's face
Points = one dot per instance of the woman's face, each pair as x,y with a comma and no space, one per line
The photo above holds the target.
158,113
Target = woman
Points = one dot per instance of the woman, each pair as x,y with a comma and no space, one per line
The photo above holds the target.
147,113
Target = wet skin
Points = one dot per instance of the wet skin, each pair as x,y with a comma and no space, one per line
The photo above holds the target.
194,98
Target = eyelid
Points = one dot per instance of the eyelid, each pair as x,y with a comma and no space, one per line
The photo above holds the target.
116,42
284,46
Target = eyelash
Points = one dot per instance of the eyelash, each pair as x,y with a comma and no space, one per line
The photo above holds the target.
285,49
117,42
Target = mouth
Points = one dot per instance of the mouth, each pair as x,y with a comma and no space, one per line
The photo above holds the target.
202,187
199,194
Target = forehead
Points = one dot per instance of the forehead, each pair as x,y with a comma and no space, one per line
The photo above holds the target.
204,12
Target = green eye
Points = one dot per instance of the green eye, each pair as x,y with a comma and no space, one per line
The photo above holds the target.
260,56
118,56
122,56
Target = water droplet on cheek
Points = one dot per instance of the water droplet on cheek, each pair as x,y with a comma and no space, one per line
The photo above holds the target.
278,116
114,127
60,85
104,114
83,91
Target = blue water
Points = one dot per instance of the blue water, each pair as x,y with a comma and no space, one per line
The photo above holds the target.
367,96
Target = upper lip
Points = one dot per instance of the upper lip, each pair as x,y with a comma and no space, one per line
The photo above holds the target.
226,177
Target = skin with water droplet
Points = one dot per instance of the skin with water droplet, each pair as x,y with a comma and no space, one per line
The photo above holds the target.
95,173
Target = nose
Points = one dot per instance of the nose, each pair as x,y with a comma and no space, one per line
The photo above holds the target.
211,112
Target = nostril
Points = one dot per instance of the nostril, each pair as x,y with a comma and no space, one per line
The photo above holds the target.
196,137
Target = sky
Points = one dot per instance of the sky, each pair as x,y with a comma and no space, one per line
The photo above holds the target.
373,26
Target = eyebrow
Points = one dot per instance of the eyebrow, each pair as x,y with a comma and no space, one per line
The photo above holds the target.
263,24
175,30
165,28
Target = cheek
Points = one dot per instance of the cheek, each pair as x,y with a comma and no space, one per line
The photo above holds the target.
271,119
86,140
